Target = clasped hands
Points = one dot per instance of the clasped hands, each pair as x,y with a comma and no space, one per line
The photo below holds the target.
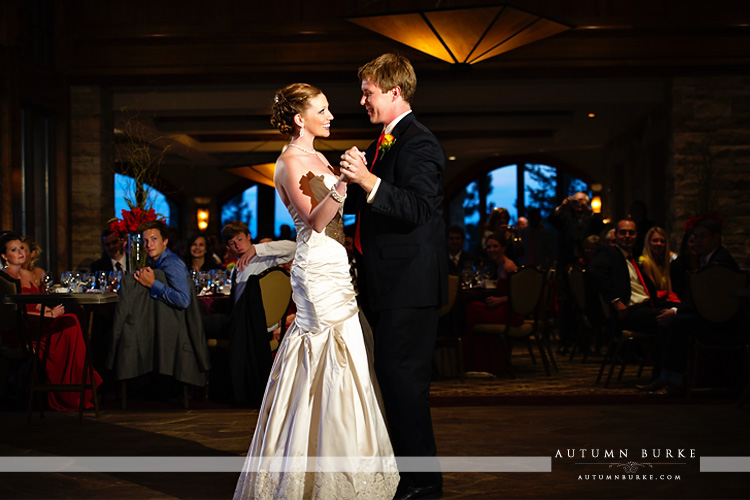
52,312
354,169
664,318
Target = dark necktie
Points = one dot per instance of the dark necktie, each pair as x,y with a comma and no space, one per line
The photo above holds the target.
118,266
357,241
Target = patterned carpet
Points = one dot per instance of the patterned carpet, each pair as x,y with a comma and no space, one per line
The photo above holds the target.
572,383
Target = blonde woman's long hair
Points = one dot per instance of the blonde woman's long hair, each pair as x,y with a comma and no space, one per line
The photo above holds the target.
659,266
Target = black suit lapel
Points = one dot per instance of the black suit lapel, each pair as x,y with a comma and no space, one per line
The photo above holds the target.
385,159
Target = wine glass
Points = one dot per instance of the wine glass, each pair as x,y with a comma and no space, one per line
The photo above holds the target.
65,279
113,280
74,281
467,276
101,280
88,281
203,281
47,283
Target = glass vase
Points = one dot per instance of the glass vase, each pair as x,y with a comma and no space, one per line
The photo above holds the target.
136,252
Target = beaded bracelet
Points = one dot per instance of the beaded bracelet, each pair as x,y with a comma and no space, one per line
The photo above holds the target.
336,196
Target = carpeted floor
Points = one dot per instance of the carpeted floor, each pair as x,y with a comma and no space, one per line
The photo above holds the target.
478,416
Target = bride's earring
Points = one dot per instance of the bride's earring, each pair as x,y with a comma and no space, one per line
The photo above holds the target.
301,132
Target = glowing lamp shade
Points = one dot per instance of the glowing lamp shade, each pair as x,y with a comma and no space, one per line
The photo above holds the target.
463,35
596,204
203,218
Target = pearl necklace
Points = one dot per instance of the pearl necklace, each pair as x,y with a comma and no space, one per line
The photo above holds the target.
313,152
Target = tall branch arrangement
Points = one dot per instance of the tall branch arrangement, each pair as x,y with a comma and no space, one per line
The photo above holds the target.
141,152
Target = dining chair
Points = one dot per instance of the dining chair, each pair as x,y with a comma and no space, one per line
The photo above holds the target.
448,357
145,334
620,346
587,331
525,286
276,295
13,326
723,328
276,290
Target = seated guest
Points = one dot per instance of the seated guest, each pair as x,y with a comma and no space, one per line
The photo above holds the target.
249,349
458,258
159,329
609,238
615,275
537,242
113,258
655,263
707,232
252,260
176,291
199,255
63,350
490,306
590,247
687,261
33,251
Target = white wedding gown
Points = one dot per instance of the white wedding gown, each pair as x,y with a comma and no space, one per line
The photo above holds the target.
320,432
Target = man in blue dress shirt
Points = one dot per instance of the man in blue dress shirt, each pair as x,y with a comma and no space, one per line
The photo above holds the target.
176,291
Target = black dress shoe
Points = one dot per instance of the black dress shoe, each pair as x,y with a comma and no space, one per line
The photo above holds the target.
413,492
653,386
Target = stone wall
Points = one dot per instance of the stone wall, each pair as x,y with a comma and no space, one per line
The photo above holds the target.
91,173
711,155
636,168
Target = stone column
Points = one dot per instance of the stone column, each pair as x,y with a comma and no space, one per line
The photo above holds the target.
711,155
91,172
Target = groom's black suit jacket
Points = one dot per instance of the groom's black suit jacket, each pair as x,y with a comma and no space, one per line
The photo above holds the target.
404,257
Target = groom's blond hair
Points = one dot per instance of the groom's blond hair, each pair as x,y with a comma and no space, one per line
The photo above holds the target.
390,71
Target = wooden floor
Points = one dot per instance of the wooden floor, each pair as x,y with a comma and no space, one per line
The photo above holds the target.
533,415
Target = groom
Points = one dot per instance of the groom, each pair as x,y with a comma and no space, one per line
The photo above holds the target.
400,236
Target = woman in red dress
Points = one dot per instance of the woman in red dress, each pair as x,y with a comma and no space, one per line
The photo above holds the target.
62,349
490,306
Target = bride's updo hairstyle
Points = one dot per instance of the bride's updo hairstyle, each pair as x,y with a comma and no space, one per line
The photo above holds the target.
292,99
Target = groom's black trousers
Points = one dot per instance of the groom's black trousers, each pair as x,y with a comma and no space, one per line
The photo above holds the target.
404,346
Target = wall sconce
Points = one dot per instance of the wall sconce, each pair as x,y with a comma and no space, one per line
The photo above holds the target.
202,219
596,204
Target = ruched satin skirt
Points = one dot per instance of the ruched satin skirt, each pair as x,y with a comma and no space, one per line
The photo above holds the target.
320,432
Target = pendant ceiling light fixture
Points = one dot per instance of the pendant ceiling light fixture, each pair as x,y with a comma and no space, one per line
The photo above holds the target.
463,35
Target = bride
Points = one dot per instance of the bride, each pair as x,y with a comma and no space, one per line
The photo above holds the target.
320,432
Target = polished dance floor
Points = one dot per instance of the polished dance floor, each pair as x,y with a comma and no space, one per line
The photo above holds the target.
594,438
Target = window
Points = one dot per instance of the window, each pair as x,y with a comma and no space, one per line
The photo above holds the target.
244,208
281,216
125,187
537,187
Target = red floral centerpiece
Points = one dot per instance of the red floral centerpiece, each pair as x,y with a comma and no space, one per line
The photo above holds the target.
127,226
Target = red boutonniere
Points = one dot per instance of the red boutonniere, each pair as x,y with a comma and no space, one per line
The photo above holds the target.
386,143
